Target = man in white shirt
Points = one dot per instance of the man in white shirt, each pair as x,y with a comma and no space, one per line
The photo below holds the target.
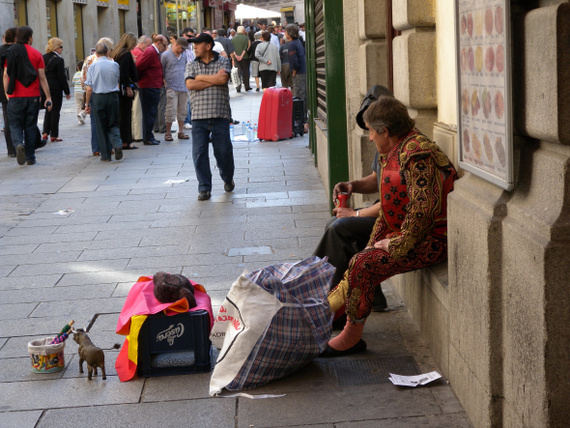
274,38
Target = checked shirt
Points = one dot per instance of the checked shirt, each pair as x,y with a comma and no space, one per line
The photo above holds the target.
212,102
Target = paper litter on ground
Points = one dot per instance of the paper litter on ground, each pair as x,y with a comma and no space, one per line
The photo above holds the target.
414,381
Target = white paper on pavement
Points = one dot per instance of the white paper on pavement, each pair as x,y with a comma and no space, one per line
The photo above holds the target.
414,381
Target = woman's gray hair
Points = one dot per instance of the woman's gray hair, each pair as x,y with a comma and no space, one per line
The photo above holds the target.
389,113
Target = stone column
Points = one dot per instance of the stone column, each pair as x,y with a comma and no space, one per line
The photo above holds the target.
64,23
36,12
90,26
108,21
415,59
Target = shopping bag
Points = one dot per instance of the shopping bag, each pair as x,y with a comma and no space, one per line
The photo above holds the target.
273,322
236,79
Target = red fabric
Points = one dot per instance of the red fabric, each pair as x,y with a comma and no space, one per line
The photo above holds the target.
136,52
141,301
33,90
149,69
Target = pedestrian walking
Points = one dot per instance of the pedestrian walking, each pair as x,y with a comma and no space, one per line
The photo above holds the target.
127,81
57,82
269,61
102,96
241,60
9,38
207,79
79,94
86,64
174,65
24,73
149,69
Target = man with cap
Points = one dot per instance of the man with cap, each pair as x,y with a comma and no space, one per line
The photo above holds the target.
207,79
348,232
173,66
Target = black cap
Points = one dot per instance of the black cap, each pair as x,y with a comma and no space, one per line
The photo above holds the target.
202,38
372,95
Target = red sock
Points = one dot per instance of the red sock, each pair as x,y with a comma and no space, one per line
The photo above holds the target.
349,336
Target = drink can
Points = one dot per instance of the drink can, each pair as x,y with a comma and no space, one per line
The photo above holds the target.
342,200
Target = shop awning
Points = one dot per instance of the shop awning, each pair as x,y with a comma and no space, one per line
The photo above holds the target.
244,11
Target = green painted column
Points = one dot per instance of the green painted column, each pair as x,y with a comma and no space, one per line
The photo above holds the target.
336,92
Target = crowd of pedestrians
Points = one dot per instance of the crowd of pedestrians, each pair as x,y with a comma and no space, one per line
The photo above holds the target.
140,86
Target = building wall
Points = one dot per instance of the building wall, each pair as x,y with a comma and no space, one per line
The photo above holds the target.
364,45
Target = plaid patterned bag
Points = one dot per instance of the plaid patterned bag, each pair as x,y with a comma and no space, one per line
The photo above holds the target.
295,332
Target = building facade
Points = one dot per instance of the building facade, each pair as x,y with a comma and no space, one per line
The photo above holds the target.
496,314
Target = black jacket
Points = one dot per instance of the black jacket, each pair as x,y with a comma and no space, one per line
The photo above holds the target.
55,74
3,49
127,69
19,67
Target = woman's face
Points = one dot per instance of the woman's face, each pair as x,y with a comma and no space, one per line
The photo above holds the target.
380,139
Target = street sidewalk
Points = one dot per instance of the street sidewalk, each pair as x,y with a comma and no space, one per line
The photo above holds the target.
76,233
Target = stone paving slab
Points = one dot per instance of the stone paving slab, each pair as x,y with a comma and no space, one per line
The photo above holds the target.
429,421
20,419
29,282
334,406
70,393
195,413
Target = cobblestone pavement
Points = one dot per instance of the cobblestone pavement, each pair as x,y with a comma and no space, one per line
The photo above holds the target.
76,233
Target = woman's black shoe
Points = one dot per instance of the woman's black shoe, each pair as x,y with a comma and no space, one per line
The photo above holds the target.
332,353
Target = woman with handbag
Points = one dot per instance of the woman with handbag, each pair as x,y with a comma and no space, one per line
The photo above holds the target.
269,61
57,82
128,84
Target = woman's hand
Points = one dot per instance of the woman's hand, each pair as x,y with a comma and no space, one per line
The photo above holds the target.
130,92
382,245
68,96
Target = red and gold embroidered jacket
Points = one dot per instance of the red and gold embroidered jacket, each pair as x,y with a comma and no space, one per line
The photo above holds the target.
416,177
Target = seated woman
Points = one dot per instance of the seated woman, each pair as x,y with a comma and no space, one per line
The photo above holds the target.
411,230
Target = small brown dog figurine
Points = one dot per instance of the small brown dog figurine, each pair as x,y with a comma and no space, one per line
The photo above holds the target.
172,287
90,353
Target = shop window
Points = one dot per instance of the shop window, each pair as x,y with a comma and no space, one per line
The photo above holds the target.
122,21
78,27
20,13
180,14
51,10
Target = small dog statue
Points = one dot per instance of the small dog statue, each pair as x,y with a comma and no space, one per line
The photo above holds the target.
170,288
90,353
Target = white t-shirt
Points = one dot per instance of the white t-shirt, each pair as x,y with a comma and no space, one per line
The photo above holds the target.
218,47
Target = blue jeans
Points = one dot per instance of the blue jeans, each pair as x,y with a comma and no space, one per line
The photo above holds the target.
149,105
223,150
189,115
23,116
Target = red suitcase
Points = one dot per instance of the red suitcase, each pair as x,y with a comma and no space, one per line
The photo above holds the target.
276,115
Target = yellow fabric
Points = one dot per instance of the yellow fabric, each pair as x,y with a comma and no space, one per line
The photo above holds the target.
133,336
337,297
